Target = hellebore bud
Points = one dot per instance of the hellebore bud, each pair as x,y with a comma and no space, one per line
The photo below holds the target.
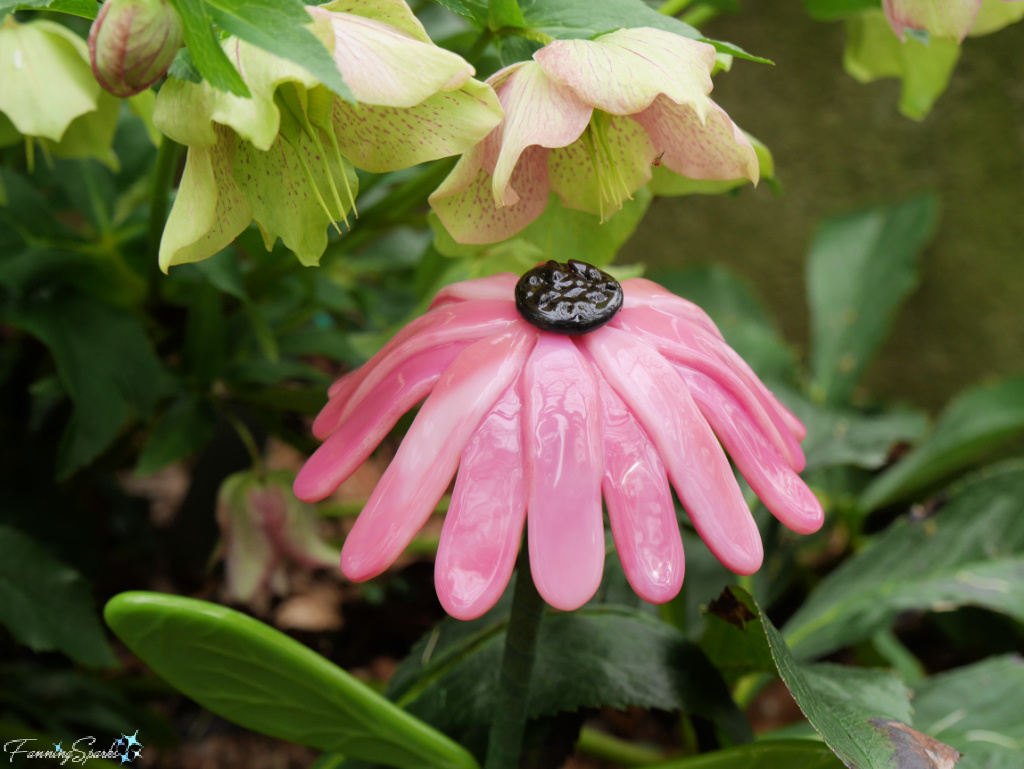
132,44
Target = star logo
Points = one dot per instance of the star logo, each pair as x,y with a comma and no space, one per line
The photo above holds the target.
131,740
56,747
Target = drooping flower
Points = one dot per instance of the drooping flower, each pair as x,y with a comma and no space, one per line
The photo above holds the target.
266,532
546,396
284,157
951,19
48,95
586,119
132,44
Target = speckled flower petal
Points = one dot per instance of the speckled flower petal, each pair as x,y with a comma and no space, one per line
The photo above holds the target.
426,461
381,139
538,112
394,12
484,523
624,71
714,148
941,18
774,482
639,501
696,464
210,210
603,169
562,449
465,202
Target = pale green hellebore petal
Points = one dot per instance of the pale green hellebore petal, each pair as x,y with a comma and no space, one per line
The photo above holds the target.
249,558
996,14
604,167
872,52
143,105
91,135
538,112
384,66
210,209
183,114
713,148
668,183
45,78
381,139
624,71
949,19
393,12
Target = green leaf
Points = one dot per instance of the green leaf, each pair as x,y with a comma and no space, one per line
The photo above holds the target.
277,26
205,53
769,754
860,269
873,52
183,430
87,9
46,604
833,10
263,680
971,552
974,425
471,9
976,709
450,677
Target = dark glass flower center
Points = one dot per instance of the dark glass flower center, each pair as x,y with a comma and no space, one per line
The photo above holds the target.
571,298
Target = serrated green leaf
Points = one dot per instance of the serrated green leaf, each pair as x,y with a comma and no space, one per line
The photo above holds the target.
183,430
976,709
204,48
771,754
261,679
46,604
860,269
971,427
277,26
971,552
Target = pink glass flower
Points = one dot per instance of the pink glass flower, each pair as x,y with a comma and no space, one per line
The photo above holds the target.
544,422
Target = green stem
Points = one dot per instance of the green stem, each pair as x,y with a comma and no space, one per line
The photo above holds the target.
672,7
246,437
163,176
615,750
506,738
479,46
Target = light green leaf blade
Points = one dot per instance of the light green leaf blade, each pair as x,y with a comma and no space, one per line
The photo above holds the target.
263,680
975,424
971,552
769,754
860,269
87,9
977,710
204,50
46,604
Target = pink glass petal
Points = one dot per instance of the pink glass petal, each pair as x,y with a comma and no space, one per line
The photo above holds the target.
639,504
466,322
426,461
562,447
694,348
484,524
495,288
774,482
640,292
788,418
353,439
696,464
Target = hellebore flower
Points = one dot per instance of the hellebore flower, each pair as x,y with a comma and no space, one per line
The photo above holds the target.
132,44
586,119
266,532
284,157
951,19
49,95
546,395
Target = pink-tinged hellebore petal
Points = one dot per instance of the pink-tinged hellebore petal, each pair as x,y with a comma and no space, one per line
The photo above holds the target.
941,18
696,464
624,71
710,148
781,490
639,502
561,432
484,524
428,457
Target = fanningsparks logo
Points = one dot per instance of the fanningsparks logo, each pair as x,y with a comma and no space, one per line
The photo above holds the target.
125,749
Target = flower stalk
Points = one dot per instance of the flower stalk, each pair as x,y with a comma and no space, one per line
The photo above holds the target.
506,738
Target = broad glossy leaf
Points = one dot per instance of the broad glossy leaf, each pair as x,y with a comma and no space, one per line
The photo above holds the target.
767,754
471,9
205,53
977,710
183,430
263,680
971,427
596,656
971,552
87,9
860,269
46,604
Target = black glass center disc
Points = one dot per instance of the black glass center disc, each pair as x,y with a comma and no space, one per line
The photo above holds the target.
571,298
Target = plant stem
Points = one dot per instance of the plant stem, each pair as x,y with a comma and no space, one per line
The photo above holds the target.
673,7
506,738
615,750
